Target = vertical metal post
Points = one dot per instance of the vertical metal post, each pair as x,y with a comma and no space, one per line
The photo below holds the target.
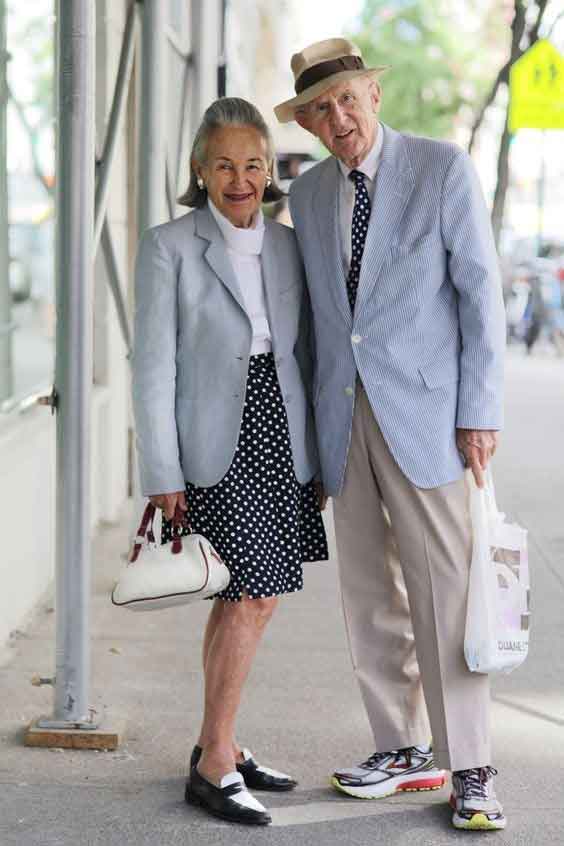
152,177
205,34
541,192
6,378
222,63
115,120
73,369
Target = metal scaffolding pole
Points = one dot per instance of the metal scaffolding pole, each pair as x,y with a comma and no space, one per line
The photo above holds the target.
6,325
115,121
206,30
222,60
152,176
73,369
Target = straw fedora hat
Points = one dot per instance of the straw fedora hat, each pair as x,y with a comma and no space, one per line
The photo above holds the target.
319,67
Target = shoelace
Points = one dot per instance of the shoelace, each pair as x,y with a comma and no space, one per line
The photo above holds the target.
376,759
475,782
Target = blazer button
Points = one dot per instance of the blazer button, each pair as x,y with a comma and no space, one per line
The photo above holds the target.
349,391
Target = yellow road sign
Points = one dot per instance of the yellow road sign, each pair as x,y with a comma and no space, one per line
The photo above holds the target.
536,89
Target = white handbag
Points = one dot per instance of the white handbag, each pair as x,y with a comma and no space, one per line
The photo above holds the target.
161,576
498,611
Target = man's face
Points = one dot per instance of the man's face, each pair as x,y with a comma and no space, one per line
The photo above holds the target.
345,118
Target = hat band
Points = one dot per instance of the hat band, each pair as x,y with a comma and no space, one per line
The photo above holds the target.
324,69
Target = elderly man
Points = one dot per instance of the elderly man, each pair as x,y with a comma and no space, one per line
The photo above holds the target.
409,331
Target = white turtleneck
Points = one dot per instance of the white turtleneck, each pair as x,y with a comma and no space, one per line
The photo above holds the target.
244,247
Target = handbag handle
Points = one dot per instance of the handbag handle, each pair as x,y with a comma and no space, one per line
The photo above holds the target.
146,529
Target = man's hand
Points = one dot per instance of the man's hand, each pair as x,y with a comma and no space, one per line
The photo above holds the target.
321,495
173,505
477,446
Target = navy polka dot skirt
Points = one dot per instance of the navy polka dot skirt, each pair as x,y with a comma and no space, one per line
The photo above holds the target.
261,521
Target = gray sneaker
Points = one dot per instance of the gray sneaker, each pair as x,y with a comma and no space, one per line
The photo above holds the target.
386,773
474,802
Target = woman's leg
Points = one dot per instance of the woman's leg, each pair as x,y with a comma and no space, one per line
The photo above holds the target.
211,628
229,655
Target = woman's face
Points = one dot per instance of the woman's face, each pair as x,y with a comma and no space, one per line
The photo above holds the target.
235,172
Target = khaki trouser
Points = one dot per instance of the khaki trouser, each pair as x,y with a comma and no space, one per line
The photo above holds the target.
404,558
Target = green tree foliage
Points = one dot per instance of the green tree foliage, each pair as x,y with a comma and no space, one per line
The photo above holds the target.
437,68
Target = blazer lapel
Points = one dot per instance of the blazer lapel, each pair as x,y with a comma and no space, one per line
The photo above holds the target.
216,254
326,211
270,264
394,184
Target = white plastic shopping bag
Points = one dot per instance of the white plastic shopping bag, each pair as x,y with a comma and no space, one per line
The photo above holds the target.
498,613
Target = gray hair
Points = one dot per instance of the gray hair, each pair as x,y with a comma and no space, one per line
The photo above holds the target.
227,111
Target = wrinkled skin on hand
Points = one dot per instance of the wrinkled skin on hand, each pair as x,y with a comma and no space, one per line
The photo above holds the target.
477,446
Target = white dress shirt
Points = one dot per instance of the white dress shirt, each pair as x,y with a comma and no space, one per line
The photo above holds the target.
347,193
244,247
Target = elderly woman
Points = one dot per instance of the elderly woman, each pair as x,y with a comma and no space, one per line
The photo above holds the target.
225,435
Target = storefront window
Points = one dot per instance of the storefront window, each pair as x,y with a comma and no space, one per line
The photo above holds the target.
27,298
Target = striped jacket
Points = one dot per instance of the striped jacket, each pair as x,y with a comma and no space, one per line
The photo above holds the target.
428,334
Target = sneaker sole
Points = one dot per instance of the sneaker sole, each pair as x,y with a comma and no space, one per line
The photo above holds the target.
478,822
414,785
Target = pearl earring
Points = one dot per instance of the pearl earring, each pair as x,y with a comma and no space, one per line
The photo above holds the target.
200,183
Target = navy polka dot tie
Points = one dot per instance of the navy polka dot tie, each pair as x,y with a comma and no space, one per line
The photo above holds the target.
360,218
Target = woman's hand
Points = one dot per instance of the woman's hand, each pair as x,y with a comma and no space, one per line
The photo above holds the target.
173,505
321,495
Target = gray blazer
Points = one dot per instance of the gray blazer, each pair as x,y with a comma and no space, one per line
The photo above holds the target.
428,334
191,351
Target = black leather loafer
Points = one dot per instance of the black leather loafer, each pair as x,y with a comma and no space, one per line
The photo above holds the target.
256,776
232,801
195,756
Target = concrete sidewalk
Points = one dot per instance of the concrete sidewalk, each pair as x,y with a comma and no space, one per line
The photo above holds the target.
302,711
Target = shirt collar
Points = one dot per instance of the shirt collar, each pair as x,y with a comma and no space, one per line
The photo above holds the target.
244,241
370,164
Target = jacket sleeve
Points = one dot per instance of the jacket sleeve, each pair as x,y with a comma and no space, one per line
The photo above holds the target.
154,368
305,353
293,207
474,272
305,345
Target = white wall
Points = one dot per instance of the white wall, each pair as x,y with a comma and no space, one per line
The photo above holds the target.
27,502
27,508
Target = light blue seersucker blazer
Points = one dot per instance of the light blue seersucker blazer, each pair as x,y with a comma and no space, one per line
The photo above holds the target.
192,345
428,334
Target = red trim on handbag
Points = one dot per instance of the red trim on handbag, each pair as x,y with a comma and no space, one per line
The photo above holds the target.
145,528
